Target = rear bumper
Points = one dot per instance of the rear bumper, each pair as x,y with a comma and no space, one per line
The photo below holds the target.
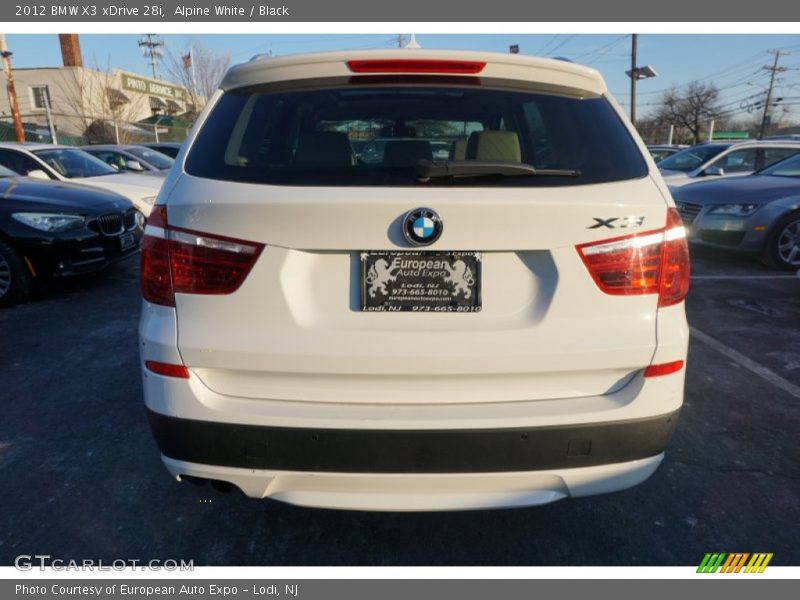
417,492
391,455
411,451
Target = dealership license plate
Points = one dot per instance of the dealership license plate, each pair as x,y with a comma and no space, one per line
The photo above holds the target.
127,241
421,281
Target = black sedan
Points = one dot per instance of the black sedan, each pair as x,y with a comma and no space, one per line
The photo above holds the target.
54,229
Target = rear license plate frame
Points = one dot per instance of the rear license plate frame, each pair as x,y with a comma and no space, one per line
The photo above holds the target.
421,281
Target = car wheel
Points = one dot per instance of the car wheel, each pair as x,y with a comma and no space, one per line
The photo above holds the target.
783,248
16,283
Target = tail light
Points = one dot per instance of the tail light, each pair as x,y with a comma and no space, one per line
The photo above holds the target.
405,65
178,260
653,262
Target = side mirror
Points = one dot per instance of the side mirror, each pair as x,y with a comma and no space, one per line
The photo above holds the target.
714,171
38,174
133,165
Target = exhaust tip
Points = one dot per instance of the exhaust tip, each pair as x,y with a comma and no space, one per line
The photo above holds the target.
222,486
197,481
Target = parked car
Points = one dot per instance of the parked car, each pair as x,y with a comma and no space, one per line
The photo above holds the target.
787,136
723,159
129,157
169,148
506,329
57,229
661,151
65,163
758,214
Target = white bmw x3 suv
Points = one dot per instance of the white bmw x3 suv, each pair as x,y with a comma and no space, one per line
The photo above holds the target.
334,316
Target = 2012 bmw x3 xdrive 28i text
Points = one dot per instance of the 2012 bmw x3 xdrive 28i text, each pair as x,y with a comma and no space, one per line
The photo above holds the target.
485,309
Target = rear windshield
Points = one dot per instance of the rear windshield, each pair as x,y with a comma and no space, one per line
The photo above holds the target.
375,135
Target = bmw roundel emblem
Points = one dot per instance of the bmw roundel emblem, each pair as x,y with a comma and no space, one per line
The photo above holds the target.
422,226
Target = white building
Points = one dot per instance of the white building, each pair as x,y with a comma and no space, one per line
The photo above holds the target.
91,103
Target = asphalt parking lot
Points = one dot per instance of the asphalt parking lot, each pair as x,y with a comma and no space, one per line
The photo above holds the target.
82,476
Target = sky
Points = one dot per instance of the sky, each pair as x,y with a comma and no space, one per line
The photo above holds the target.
734,63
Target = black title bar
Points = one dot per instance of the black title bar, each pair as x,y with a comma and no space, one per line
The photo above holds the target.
170,11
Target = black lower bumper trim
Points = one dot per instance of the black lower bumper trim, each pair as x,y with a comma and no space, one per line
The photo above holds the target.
418,451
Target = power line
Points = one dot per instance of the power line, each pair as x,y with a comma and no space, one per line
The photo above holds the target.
550,52
600,53
608,45
541,50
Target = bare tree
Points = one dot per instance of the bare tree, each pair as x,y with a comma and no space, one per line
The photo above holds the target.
198,69
94,106
691,107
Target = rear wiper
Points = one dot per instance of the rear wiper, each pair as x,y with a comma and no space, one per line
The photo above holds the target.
427,170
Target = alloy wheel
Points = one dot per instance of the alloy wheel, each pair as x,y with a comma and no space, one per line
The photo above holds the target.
5,276
789,243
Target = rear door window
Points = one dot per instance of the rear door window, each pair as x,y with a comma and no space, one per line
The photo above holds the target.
773,155
738,161
376,135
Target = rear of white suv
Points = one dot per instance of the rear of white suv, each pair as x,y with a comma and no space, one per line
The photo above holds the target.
332,317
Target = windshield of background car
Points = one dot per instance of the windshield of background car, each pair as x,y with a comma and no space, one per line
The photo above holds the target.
691,158
786,168
365,134
71,162
160,161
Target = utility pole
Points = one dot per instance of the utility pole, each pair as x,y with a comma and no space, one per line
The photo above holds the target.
19,133
634,40
773,69
152,48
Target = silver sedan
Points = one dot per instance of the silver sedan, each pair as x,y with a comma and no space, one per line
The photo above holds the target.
757,214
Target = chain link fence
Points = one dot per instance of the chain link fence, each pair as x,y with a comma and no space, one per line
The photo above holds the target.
96,132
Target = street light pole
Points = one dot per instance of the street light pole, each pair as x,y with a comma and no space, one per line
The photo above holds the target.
636,73
634,40
48,109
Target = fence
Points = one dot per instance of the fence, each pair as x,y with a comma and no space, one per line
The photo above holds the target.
96,132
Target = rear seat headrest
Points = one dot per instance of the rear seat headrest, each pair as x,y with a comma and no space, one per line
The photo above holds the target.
494,145
459,149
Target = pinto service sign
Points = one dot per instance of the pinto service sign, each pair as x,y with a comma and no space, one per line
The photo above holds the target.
134,83
421,281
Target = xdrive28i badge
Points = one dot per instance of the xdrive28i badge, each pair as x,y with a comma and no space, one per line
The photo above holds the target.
422,226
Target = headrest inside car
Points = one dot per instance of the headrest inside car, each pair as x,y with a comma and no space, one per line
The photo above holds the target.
494,145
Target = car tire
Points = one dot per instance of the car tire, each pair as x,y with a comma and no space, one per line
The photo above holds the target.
787,231
16,283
